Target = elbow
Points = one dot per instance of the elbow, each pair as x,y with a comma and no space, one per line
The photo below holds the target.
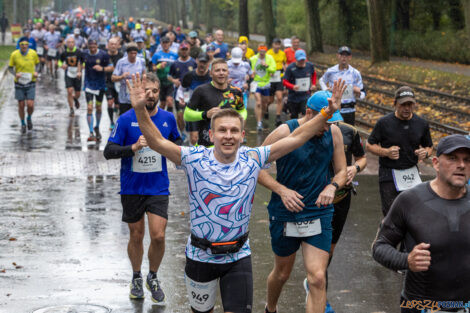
107,154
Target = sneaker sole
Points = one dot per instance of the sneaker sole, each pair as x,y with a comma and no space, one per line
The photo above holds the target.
133,297
153,299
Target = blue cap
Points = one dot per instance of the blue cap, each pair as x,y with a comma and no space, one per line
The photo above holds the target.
24,38
192,34
319,100
300,55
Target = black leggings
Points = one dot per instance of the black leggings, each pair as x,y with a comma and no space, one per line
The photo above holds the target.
339,217
388,193
235,282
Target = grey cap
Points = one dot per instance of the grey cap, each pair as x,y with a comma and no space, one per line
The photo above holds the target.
344,49
404,94
165,39
203,57
451,143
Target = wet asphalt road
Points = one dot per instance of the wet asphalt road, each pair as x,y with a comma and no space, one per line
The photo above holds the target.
62,241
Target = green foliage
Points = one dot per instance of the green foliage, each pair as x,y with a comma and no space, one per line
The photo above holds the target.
435,45
5,52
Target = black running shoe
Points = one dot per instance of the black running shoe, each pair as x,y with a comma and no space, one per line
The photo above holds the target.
72,112
278,121
23,129
137,291
77,103
30,123
153,285
97,133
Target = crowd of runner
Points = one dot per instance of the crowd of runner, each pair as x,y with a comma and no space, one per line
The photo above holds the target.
184,97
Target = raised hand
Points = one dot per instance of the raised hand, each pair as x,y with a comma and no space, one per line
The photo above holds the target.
334,103
137,91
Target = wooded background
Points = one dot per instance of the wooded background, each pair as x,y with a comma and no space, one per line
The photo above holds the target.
436,30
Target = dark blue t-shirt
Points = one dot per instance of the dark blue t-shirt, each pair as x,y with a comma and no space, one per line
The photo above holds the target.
223,50
305,170
146,172
292,74
95,80
179,68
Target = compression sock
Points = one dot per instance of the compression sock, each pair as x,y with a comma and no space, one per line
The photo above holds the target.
98,118
28,118
136,274
23,123
111,115
89,119
152,275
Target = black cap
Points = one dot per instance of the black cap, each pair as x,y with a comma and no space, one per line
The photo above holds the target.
92,41
277,40
165,39
203,57
344,49
404,94
451,143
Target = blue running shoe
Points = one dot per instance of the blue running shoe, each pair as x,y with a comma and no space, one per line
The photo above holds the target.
153,285
328,308
137,291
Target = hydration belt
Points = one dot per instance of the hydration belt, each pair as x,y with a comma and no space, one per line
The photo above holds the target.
224,247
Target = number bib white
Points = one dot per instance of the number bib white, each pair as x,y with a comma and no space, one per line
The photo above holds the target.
348,93
201,295
40,50
25,78
303,83
146,161
406,179
276,78
52,52
93,92
186,96
302,229
72,71
117,86
253,86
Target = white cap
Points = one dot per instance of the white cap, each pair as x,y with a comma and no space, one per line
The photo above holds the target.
76,31
237,55
287,43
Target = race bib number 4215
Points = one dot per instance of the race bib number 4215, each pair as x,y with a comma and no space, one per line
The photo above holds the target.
146,161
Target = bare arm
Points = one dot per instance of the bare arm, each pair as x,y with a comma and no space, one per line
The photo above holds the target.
306,131
290,198
154,138
392,152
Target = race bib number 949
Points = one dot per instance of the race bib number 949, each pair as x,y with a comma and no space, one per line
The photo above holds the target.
201,295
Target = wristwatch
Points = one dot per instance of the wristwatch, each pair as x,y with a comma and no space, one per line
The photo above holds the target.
358,168
336,185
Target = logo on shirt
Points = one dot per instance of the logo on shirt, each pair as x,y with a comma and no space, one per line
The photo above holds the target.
134,124
165,124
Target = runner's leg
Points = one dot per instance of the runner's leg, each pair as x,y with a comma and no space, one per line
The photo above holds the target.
277,278
135,246
315,262
157,226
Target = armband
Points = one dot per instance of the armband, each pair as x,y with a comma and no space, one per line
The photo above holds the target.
323,112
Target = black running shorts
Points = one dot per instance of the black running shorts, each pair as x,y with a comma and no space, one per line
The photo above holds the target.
135,206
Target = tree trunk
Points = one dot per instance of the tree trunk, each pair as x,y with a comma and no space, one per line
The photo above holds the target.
183,14
176,17
379,21
195,9
209,17
269,31
243,29
345,22
456,14
314,40
466,10
403,14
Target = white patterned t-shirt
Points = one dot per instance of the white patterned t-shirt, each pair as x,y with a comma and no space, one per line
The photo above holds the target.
221,197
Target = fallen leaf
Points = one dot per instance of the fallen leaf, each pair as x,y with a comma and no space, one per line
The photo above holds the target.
18,267
14,264
12,239
3,271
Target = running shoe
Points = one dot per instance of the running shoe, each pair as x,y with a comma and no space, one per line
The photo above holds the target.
30,123
77,103
97,133
328,308
72,112
266,309
23,129
153,285
91,137
259,127
278,121
306,288
137,291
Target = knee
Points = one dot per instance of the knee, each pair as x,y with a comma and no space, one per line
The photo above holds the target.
157,238
317,279
281,275
136,236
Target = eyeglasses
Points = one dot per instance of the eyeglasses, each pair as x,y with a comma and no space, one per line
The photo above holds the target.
24,43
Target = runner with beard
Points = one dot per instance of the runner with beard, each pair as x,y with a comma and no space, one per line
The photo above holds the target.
144,187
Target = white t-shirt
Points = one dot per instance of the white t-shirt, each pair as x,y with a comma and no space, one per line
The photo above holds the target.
221,197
